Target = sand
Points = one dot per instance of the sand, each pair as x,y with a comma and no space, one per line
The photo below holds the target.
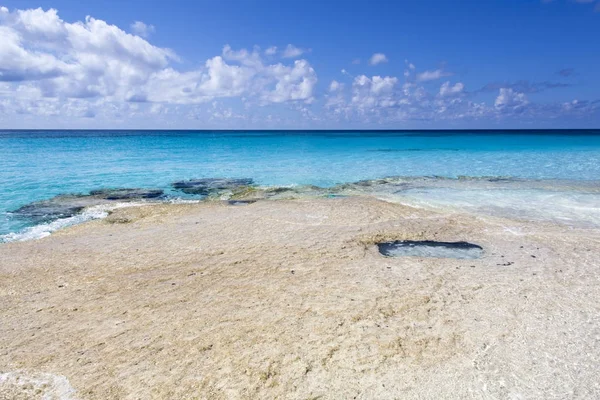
290,299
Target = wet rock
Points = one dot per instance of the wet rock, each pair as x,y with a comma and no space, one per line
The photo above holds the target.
278,190
64,206
254,193
209,186
57,207
429,248
127,194
294,191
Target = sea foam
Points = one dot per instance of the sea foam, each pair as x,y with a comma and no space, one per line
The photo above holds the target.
43,230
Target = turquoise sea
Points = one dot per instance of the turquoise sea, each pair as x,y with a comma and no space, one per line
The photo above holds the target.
38,165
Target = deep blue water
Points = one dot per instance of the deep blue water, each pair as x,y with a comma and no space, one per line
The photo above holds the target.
36,165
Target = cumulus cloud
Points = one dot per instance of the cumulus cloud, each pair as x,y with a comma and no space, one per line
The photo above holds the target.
371,93
44,57
378,58
335,86
431,75
142,29
386,100
75,60
448,90
292,82
91,69
509,99
379,99
292,51
249,76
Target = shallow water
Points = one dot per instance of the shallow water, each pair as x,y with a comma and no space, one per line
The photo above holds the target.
459,250
37,165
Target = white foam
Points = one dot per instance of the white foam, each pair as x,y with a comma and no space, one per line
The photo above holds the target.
179,200
39,385
572,208
44,230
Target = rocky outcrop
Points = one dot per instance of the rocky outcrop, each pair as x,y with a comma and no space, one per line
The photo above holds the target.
208,186
64,206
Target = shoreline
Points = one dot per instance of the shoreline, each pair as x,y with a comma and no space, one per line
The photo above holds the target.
396,189
291,299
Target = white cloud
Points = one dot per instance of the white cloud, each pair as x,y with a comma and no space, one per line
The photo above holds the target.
142,29
335,86
292,51
371,93
75,60
410,68
276,83
90,69
292,83
243,56
447,90
47,61
508,99
386,100
431,75
378,58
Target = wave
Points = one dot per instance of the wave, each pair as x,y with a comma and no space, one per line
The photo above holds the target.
45,229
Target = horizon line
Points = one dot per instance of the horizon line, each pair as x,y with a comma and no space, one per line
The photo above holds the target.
305,130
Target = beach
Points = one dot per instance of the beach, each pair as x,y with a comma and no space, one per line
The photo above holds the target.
291,299
241,200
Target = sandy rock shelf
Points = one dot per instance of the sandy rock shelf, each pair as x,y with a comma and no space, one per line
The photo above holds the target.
292,300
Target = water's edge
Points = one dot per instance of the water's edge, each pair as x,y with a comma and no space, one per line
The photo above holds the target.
575,203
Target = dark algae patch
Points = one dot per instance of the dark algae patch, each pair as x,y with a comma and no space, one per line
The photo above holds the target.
207,186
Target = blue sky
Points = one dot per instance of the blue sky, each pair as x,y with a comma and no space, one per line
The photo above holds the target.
312,64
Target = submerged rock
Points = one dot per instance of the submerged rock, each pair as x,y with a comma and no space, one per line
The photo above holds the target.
209,186
127,194
64,206
57,207
429,248
278,192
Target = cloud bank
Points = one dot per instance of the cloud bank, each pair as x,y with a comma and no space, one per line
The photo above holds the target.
90,69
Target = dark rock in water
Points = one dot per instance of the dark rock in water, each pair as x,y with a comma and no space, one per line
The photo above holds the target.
429,248
64,206
278,190
127,194
57,207
211,185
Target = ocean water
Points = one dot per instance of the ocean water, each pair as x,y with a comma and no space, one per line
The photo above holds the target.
37,165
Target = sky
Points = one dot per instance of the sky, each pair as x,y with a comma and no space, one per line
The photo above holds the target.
331,64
